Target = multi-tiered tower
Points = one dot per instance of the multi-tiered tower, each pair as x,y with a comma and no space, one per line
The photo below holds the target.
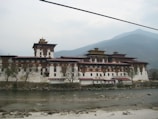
42,49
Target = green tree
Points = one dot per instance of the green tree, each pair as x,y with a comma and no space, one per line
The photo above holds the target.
15,72
11,72
8,73
154,75
27,73
131,73
69,72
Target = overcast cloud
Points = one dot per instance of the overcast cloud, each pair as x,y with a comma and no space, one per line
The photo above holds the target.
23,22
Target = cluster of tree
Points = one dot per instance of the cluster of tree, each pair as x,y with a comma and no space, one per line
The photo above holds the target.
12,71
153,74
69,72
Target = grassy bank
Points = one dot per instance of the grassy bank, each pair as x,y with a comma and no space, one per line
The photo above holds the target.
72,86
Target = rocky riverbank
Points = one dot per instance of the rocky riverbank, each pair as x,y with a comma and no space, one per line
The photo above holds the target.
15,114
88,114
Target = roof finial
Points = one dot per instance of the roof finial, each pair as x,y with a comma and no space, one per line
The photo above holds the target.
42,41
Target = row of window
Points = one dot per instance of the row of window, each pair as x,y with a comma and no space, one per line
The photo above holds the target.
63,74
103,66
48,54
104,70
98,60
84,70
28,69
29,61
72,69
104,74
97,74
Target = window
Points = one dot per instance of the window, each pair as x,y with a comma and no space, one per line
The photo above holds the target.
36,69
96,74
141,73
108,74
55,69
93,59
73,69
91,74
41,71
83,74
54,74
40,54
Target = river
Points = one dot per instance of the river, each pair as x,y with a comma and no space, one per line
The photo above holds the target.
77,100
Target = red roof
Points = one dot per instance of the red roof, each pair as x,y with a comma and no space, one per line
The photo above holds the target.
136,62
56,79
101,63
122,79
30,57
8,56
71,57
100,80
63,60
121,57
85,79
38,44
95,79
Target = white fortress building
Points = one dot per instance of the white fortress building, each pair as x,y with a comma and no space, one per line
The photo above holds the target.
96,67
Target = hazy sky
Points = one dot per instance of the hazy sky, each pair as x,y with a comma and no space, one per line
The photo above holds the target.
24,22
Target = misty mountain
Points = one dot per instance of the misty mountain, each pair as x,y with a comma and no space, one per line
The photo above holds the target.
140,44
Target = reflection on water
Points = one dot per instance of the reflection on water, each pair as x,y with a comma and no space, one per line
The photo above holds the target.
71,100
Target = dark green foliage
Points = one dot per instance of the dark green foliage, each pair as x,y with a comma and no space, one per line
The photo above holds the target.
14,86
153,74
65,86
8,73
11,71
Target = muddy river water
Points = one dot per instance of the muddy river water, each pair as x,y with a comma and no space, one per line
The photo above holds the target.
77,100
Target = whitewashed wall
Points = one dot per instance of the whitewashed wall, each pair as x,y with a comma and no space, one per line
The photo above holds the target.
39,53
141,76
